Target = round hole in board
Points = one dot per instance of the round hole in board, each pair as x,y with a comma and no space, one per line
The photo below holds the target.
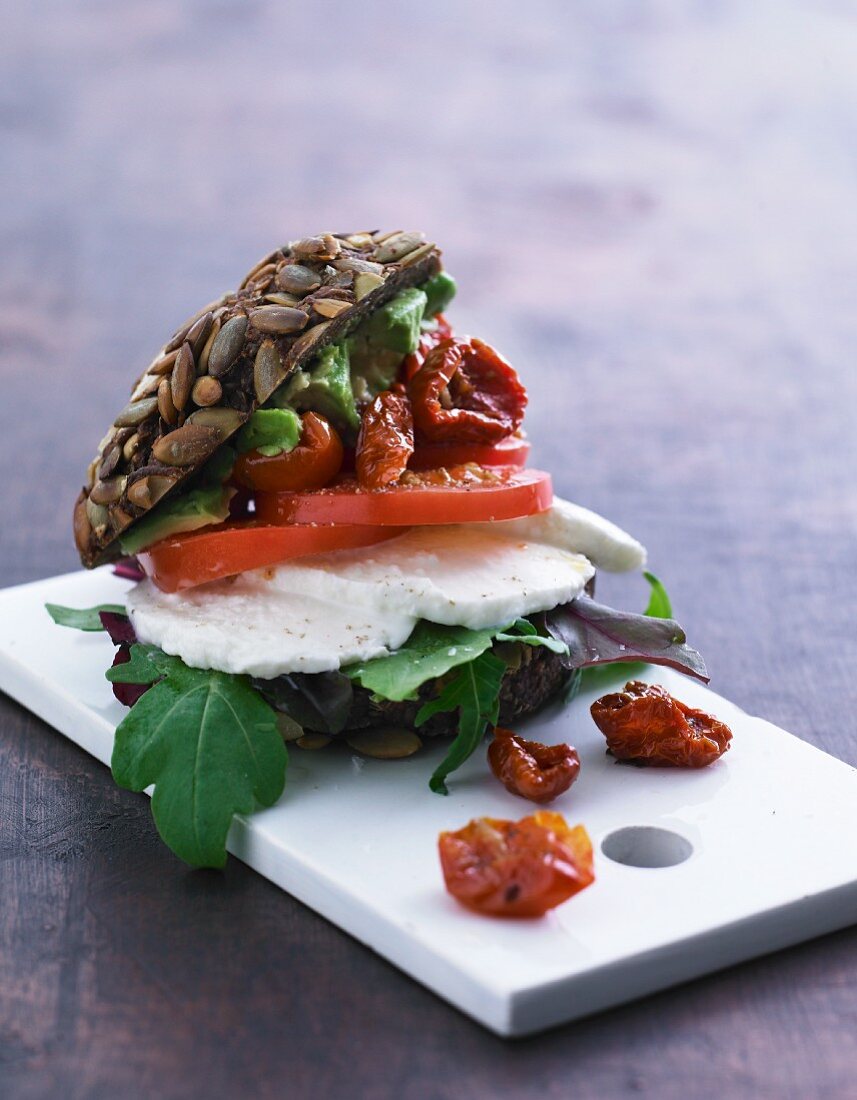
646,846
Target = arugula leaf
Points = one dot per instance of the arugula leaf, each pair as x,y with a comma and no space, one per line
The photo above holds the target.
210,745
82,618
659,602
319,700
596,634
431,651
474,691
527,634
146,664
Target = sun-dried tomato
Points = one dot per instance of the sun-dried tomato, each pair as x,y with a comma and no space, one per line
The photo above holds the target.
529,768
646,725
466,392
386,440
516,868
428,340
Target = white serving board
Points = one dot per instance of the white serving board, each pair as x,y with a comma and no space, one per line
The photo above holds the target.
772,828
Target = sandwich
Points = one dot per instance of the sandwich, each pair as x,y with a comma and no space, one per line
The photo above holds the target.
323,492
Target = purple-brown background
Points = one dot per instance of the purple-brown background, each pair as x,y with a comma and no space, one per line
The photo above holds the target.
652,209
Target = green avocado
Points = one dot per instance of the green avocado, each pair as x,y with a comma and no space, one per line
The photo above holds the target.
326,389
206,503
270,431
377,347
439,290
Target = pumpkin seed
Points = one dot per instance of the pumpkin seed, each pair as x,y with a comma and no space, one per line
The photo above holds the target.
278,319
164,364
107,492
227,346
166,406
325,247
313,741
307,340
136,412
198,332
385,742
146,385
330,307
277,299
91,472
148,490
119,519
82,528
397,246
297,279
179,337
356,264
417,254
187,445
202,358
365,283
184,372
109,462
129,447
267,370
261,265
378,237
206,391
96,514
288,727
360,240
224,421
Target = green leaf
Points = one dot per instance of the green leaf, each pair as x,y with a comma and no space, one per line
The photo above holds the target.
523,632
147,664
210,745
82,618
659,602
474,691
431,651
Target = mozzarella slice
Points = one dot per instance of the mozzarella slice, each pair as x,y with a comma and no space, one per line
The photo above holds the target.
572,527
318,613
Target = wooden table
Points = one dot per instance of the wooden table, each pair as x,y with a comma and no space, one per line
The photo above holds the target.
652,212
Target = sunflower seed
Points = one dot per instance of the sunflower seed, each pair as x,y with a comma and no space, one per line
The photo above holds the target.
96,514
183,375
267,370
179,337
263,263
360,240
198,333
325,247
148,490
398,246
206,391
379,237
278,319
227,346
107,492
365,283
164,364
166,406
129,447
330,307
417,254
109,462
202,358
222,420
277,299
186,445
82,528
313,741
297,279
385,742
91,472
136,412
119,519
307,340
146,385
355,263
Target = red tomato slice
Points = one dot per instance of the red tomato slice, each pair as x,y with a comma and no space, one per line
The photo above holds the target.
463,494
222,550
511,451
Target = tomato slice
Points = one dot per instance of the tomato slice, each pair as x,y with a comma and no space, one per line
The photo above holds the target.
462,494
511,451
222,550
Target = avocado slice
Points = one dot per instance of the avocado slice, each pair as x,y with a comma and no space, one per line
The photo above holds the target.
326,389
439,291
270,431
377,347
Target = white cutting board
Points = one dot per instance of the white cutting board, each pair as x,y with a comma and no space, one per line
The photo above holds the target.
770,830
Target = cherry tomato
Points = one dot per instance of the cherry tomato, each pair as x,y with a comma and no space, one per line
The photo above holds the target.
315,461
463,494
529,768
386,440
466,392
222,550
511,451
516,868
645,724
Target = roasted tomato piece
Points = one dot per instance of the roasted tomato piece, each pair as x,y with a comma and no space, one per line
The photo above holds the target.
314,463
428,340
463,494
511,451
529,768
516,868
646,725
386,440
466,393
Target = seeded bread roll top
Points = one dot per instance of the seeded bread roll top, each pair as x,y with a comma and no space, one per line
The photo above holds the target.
227,360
